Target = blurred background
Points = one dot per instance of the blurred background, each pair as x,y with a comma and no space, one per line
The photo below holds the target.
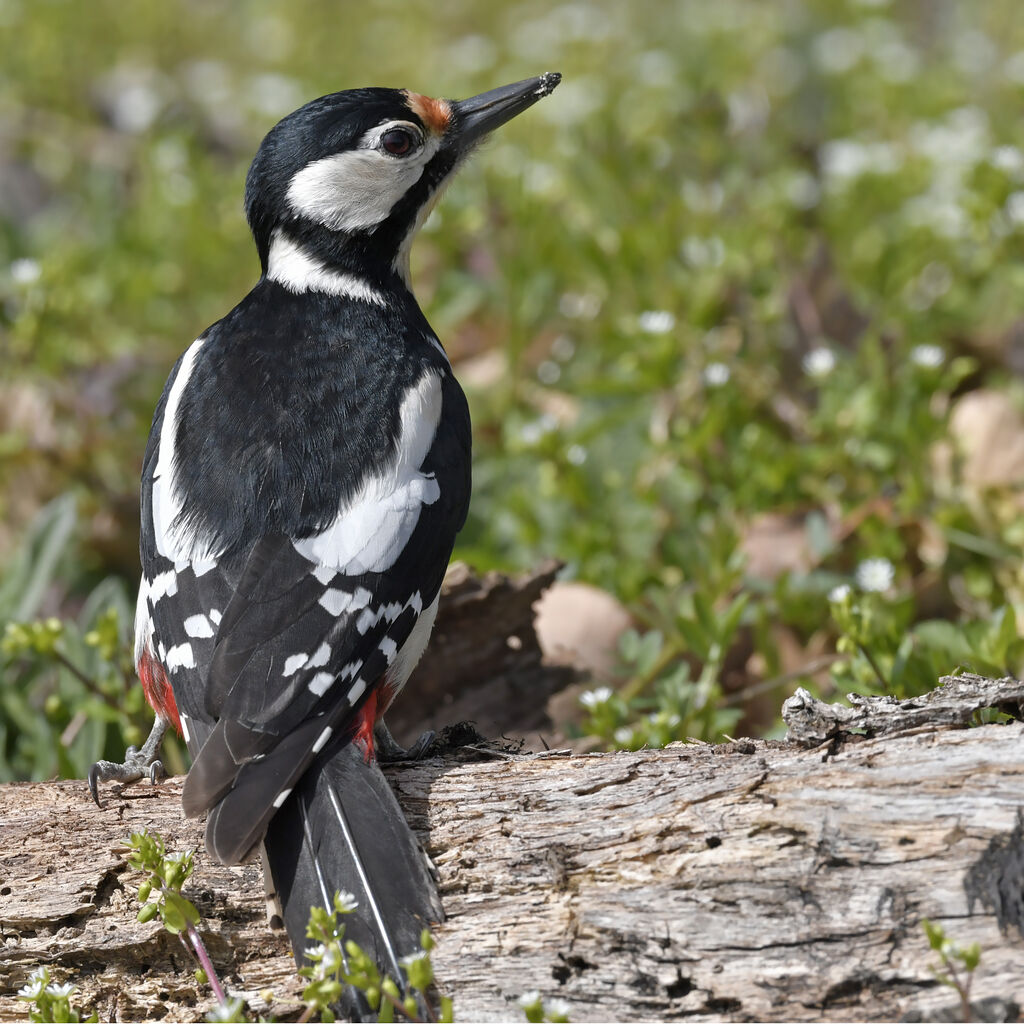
738,309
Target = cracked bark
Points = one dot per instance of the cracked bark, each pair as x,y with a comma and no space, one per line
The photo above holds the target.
750,880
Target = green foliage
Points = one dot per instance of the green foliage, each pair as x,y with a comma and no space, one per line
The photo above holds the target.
70,695
160,893
958,964
740,269
337,962
50,1002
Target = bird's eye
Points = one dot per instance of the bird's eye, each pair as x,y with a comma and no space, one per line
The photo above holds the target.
398,142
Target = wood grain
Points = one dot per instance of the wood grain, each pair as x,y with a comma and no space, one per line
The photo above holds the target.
745,881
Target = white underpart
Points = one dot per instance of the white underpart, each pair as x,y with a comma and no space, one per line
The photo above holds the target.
292,267
374,525
172,541
358,188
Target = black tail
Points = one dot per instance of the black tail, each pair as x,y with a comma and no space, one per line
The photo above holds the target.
342,829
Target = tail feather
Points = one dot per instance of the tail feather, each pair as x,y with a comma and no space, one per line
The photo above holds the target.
342,830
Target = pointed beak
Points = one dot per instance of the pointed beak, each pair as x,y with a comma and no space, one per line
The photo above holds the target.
480,115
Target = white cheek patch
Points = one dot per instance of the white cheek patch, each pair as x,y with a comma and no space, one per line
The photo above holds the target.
355,189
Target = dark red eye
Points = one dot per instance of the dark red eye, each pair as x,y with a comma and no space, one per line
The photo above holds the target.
398,142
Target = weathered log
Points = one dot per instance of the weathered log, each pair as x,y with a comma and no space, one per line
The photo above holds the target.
750,880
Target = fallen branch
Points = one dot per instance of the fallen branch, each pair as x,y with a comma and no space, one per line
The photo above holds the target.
955,702
751,880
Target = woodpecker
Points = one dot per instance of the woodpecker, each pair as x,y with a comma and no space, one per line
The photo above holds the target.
307,471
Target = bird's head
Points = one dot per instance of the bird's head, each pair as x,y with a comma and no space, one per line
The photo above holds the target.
342,184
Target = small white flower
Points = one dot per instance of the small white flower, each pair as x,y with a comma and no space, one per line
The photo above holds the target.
229,1010
819,362
875,574
347,902
412,958
315,952
548,372
595,698
556,1008
1015,207
60,991
25,271
576,454
623,735
657,321
716,374
36,983
562,348
1008,159
840,593
929,356
531,998
579,306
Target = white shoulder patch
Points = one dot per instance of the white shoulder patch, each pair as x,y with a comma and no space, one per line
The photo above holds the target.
292,267
374,526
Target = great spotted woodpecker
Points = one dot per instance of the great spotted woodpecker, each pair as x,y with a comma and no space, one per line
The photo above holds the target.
307,471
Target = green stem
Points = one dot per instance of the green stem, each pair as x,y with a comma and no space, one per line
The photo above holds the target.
874,666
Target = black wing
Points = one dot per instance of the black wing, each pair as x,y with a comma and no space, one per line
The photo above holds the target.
270,651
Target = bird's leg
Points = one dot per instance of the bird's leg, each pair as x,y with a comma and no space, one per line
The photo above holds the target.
138,762
389,749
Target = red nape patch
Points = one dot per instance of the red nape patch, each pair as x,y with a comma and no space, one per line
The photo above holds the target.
157,689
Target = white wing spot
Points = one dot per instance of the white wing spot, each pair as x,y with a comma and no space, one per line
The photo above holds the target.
335,601
324,574
183,718
215,616
165,583
198,626
180,657
322,739
294,663
321,656
356,690
389,649
281,797
320,683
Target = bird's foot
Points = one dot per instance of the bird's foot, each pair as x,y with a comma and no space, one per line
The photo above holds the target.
139,762
390,750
